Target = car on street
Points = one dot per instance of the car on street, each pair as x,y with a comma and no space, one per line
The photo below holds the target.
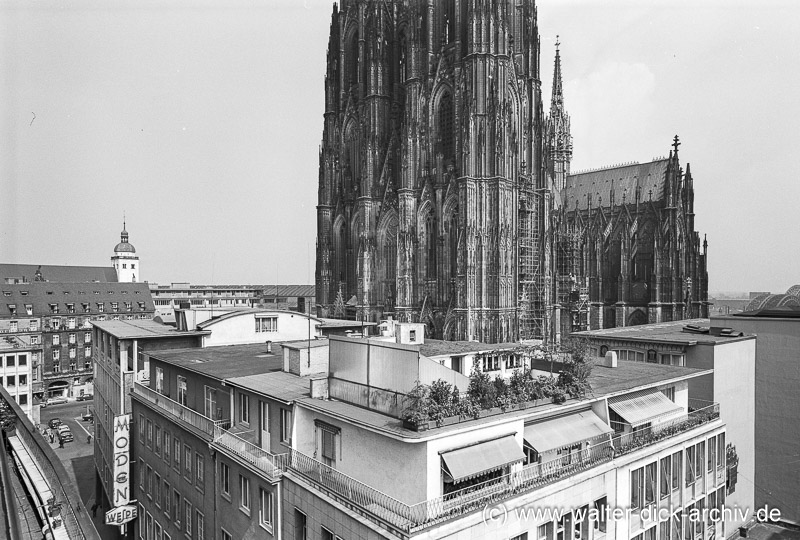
55,400
87,416
65,433
85,397
54,423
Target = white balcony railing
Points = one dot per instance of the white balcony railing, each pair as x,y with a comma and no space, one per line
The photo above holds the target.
181,412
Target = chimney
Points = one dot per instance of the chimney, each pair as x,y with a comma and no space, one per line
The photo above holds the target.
610,360
319,388
269,347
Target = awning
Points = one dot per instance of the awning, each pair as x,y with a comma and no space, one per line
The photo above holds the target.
565,431
471,461
644,406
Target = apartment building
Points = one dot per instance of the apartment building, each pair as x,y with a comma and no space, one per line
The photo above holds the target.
56,317
18,355
119,359
731,354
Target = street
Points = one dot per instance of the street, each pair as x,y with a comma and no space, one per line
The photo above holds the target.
78,456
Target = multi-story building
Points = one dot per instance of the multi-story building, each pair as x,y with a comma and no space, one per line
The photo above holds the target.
776,321
186,406
118,359
169,298
18,356
56,318
320,451
445,193
731,354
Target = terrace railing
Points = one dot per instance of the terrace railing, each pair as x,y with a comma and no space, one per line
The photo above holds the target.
269,464
181,412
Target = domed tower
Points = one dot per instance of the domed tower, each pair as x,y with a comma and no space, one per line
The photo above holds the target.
125,261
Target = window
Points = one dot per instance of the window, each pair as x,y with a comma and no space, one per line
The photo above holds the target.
490,363
328,535
71,323
669,392
56,365
712,450
149,522
666,475
157,440
115,307
210,401
676,470
149,477
244,408
10,361
182,390
187,514
87,353
300,525
650,472
141,428
87,337
159,531
637,483
199,471
101,307
700,454
23,359
226,535
56,339
266,324
244,494
29,309
159,380
200,526
286,426
176,455
34,340
166,498
721,452
225,480
187,462
412,335
265,509
167,444
541,530
72,354
690,457
157,489
149,434
176,507
328,447
514,361
54,309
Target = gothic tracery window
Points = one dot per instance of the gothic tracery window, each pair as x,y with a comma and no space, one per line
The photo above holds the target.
445,125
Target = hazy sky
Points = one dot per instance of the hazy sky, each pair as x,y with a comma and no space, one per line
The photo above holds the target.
202,120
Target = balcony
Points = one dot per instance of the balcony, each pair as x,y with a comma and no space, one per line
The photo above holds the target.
269,464
406,519
178,411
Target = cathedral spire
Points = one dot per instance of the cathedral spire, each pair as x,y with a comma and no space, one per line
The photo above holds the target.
557,101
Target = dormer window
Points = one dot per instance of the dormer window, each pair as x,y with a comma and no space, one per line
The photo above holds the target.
101,307
86,307
29,309
141,305
115,306
70,308
13,309
128,306
53,308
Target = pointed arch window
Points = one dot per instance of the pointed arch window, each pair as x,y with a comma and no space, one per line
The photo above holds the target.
445,124
351,62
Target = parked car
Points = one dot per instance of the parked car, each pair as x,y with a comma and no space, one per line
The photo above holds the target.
88,416
55,400
85,397
54,423
65,433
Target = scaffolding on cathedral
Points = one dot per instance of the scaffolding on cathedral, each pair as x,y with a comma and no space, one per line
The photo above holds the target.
531,305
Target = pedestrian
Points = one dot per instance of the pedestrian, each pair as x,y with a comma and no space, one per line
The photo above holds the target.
60,442
52,436
94,510
89,439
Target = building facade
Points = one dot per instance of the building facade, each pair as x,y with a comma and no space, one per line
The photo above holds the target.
445,194
125,261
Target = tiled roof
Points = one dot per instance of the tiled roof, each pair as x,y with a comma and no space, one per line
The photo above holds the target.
224,362
624,179
60,274
84,298
280,385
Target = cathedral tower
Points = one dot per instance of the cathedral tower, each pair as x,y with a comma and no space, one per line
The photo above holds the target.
125,261
432,128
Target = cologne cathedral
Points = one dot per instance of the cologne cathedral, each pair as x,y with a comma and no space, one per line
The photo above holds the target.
445,192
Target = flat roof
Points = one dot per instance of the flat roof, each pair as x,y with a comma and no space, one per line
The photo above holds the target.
280,385
224,361
305,343
143,328
343,323
438,347
666,332
606,382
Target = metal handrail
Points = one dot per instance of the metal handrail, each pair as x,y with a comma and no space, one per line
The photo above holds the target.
182,412
270,464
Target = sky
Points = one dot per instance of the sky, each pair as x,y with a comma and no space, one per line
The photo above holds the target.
200,122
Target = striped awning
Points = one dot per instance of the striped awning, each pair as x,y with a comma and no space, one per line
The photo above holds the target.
565,431
644,406
474,460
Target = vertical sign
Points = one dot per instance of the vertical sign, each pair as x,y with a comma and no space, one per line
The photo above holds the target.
122,444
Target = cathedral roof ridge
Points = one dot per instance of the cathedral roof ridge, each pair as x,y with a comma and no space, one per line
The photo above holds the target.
607,167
